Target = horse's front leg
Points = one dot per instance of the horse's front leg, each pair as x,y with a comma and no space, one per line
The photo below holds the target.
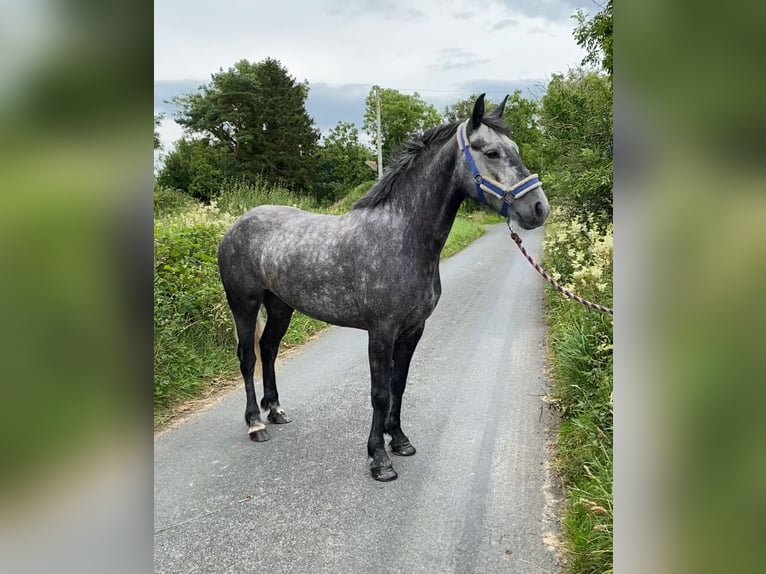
403,350
381,351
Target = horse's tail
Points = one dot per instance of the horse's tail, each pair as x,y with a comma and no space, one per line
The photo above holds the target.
260,324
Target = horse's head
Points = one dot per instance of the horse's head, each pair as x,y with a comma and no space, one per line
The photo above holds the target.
493,170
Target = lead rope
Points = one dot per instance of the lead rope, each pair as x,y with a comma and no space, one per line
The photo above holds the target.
551,280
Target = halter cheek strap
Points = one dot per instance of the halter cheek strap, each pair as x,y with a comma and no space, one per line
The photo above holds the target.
488,184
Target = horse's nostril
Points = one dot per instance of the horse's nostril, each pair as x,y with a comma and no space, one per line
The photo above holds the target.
539,210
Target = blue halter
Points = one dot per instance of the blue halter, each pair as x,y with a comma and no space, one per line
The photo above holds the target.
494,187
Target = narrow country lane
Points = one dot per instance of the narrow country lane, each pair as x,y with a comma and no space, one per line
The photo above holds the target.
477,497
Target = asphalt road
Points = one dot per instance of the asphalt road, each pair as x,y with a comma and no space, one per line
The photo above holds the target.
477,497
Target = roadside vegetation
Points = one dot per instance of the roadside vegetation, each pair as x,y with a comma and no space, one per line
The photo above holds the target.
577,114
578,252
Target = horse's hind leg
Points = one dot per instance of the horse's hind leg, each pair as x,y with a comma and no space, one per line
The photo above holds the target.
245,318
403,350
279,315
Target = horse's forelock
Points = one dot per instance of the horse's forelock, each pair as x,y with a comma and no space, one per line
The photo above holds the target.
497,125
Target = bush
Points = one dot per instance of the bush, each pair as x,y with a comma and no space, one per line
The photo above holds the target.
194,339
576,116
193,335
168,201
346,203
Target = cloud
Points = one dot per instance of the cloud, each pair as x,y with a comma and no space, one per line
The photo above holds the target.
464,14
329,104
363,41
455,58
387,9
505,23
547,9
532,88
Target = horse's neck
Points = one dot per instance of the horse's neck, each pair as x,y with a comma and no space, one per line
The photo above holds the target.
431,206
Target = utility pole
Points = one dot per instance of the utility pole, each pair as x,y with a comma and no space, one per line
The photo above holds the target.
379,133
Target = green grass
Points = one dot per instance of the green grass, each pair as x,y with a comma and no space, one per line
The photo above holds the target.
583,377
301,329
463,232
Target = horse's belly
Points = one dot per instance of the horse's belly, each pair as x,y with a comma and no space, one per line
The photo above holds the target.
321,295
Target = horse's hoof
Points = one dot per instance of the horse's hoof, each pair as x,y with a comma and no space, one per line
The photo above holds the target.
278,418
259,435
403,449
383,473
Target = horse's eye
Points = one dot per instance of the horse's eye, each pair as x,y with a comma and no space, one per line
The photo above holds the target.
492,154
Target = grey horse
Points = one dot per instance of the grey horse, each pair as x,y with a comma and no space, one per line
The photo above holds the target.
374,268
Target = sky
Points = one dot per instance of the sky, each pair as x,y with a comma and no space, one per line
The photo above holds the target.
443,49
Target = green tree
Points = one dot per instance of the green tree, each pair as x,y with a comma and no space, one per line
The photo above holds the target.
196,167
576,117
401,117
157,120
521,115
257,111
341,162
595,36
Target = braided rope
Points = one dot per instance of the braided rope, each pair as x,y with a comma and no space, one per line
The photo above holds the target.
552,281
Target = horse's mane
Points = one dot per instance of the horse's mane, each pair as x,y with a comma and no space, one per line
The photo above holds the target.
407,153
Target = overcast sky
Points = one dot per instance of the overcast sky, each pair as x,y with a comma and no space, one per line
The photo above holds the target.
443,49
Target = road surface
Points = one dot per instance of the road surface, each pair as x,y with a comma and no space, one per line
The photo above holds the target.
477,497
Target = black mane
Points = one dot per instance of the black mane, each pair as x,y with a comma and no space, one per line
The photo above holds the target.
407,153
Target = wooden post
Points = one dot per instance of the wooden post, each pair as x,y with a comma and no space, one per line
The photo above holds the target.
379,134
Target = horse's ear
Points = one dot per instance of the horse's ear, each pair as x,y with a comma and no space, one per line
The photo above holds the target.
478,113
498,111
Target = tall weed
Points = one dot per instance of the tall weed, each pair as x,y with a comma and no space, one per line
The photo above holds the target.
238,196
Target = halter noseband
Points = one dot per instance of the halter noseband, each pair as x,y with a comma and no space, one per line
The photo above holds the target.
485,183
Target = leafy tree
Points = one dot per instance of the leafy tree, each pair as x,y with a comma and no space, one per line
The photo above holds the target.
595,36
196,167
341,162
576,116
157,120
520,114
257,111
401,117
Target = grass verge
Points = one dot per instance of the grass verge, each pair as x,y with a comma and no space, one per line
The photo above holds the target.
580,350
